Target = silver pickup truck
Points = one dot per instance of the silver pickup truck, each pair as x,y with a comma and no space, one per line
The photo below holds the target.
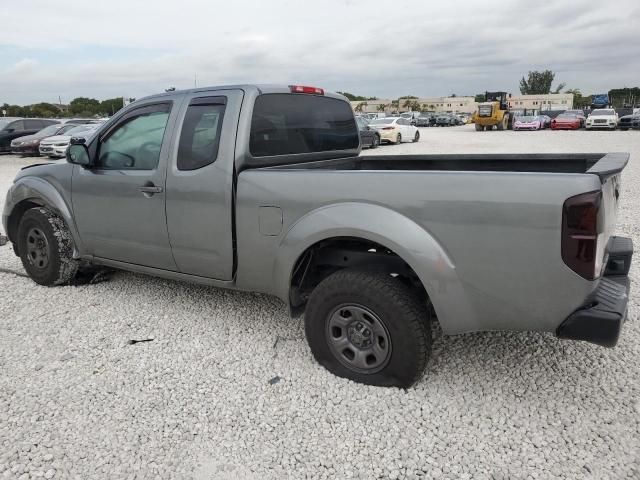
262,188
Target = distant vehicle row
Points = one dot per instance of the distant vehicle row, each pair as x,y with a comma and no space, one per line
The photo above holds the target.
605,118
42,136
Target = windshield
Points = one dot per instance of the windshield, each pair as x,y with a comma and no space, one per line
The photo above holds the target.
568,116
4,123
597,113
526,119
50,130
80,129
382,121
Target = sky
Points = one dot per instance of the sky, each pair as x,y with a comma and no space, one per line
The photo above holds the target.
383,48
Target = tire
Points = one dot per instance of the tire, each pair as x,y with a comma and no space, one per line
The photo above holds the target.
398,139
46,248
381,305
416,137
376,141
479,128
502,125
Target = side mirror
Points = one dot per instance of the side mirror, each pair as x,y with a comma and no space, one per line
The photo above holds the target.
78,154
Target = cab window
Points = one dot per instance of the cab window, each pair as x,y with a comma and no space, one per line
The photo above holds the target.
200,135
135,142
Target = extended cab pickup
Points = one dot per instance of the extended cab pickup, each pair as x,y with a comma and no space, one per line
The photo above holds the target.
262,189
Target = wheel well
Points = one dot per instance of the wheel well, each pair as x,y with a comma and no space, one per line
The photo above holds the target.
15,217
328,256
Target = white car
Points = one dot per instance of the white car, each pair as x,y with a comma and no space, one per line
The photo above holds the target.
56,146
602,118
395,130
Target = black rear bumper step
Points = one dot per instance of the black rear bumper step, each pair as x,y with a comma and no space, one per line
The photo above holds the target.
601,321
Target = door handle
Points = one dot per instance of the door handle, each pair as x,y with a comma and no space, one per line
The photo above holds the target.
149,190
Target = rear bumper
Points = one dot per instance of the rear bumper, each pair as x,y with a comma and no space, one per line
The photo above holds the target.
600,320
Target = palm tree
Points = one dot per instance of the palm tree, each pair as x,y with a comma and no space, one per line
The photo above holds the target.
358,108
382,107
407,103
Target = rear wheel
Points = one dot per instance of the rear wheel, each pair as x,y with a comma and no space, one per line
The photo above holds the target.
416,137
376,141
45,246
479,128
369,327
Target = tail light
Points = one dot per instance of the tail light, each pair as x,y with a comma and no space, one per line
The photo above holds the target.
387,128
580,230
309,90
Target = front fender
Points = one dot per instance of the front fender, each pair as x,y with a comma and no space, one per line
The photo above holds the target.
403,236
41,192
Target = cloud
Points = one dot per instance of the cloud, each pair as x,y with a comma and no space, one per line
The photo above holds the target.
105,49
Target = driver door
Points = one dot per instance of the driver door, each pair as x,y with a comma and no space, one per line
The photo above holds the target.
119,201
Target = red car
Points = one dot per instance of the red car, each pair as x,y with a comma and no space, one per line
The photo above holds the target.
566,121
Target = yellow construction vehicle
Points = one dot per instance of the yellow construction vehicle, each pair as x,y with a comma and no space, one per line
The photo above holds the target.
494,111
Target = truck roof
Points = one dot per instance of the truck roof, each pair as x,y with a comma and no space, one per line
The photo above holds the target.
260,88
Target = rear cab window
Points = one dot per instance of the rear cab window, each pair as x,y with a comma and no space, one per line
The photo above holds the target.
289,124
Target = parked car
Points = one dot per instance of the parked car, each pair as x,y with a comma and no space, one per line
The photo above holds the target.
602,118
369,137
426,120
395,130
12,128
30,144
56,146
629,121
447,120
263,189
545,120
578,113
528,123
565,121
83,121
411,116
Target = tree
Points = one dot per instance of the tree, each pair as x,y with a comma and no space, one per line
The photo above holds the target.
407,103
44,110
110,106
84,105
411,97
356,98
538,83
382,107
363,106
358,107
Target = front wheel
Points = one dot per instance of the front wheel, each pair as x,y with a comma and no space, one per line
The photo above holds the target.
369,327
398,139
376,141
479,128
416,137
46,247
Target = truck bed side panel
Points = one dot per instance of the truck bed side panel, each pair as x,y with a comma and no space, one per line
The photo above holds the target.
500,230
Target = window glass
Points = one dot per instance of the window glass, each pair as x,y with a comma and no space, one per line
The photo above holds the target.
135,144
32,124
17,126
200,136
296,123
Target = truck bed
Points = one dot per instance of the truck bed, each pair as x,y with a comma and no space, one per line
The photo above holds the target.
599,164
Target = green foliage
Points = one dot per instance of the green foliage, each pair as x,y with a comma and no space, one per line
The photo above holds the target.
624,96
356,98
538,83
407,96
479,97
83,104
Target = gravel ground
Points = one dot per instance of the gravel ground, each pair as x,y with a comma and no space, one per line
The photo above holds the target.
228,388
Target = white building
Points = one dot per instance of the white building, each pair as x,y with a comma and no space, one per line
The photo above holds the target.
464,104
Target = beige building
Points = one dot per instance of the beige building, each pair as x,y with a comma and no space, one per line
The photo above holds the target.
551,101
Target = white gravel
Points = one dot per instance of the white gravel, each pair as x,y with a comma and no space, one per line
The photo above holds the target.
76,401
